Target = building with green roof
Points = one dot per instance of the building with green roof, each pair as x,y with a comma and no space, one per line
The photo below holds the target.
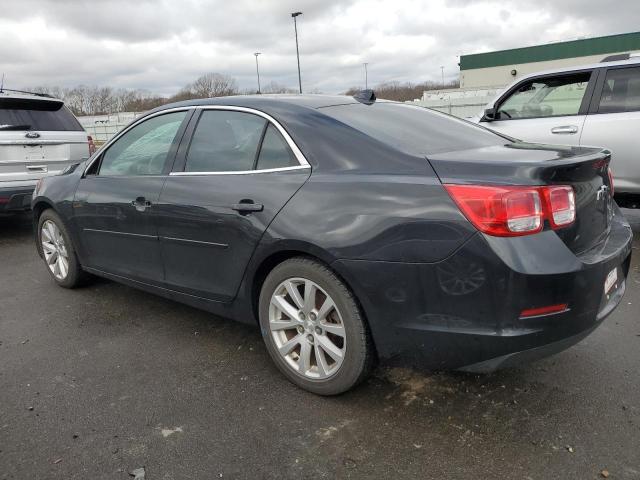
499,68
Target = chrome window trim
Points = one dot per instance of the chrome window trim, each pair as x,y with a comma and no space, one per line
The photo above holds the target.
287,138
292,145
104,147
240,172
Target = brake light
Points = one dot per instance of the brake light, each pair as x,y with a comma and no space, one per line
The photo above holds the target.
509,211
92,146
610,173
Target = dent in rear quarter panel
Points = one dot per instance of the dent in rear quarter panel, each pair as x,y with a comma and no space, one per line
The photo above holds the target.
381,217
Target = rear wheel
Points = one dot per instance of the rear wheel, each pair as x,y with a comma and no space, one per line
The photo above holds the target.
57,251
313,327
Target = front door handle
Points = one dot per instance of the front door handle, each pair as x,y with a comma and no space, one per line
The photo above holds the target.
141,204
247,206
565,129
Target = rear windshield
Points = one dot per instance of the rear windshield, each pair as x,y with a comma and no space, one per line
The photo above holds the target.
29,114
412,129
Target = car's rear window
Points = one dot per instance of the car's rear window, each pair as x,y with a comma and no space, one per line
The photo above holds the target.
413,129
30,114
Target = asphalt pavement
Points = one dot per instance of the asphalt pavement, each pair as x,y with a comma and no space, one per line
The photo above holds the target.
100,381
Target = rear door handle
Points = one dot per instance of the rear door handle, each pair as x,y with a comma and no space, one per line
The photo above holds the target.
141,204
565,129
247,206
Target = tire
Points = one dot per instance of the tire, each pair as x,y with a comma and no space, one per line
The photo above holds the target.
335,340
72,276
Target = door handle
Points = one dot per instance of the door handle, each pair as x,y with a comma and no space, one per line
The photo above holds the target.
247,206
141,204
565,129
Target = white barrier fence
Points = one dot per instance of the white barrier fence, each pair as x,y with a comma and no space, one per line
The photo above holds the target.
458,107
103,127
459,102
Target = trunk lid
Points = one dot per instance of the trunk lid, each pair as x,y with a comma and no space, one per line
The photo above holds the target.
585,169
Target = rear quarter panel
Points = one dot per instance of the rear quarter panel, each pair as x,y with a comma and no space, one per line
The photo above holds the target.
383,217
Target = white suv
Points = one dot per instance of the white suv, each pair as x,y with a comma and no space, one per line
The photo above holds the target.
595,105
39,136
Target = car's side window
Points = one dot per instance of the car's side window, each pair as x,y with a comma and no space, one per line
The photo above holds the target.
143,149
274,152
224,141
621,91
546,97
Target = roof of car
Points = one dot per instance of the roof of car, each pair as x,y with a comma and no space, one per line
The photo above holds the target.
264,101
27,96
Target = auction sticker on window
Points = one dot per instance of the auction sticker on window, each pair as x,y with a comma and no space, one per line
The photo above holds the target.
611,280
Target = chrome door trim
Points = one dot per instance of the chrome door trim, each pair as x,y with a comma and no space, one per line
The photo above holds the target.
196,242
127,234
240,172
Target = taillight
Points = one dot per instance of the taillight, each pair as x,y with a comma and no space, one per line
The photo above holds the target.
610,173
509,211
92,146
562,205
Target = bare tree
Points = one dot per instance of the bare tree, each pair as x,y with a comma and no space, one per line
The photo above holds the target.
402,92
213,85
275,87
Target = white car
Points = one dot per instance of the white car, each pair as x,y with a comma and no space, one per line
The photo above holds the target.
589,105
39,137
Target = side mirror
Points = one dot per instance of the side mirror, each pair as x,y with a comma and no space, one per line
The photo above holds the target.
489,114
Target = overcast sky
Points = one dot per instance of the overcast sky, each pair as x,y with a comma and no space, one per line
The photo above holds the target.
163,45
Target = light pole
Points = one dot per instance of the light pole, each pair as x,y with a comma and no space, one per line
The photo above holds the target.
257,70
295,26
366,80
442,70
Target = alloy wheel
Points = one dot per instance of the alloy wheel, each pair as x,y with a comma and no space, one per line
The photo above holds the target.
307,328
54,249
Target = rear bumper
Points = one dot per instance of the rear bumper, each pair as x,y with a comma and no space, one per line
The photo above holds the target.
464,312
15,198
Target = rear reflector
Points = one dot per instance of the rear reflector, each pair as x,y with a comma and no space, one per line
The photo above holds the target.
536,312
509,211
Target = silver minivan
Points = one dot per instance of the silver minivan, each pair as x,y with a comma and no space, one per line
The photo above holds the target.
590,105
39,136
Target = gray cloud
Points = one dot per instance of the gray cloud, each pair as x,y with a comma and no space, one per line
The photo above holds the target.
162,45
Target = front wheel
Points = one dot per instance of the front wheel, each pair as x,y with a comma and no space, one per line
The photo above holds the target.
313,327
57,250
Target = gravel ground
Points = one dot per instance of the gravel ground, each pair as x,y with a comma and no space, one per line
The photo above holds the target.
99,381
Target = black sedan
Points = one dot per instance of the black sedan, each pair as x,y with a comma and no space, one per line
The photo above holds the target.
351,230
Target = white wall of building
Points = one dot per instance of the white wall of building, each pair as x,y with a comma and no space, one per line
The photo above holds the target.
501,76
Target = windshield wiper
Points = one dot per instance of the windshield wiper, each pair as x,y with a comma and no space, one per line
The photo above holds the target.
15,127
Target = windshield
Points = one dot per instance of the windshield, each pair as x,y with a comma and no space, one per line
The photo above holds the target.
30,114
413,129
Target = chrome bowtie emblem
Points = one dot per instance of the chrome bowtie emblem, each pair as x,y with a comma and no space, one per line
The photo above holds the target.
601,193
